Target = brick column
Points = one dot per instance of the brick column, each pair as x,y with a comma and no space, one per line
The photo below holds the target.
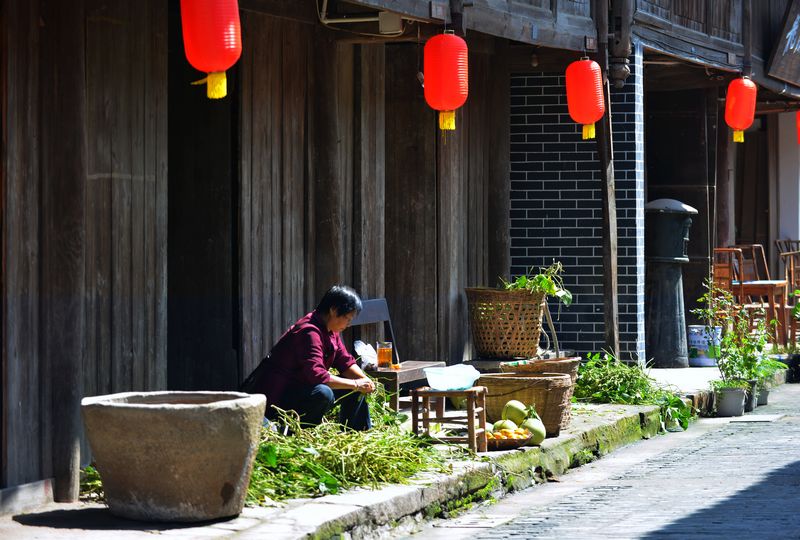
556,208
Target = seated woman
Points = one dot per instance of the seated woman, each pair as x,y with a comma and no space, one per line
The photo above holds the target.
296,375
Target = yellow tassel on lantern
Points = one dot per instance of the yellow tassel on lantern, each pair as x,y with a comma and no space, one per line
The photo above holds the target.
447,120
588,131
738,135
217,85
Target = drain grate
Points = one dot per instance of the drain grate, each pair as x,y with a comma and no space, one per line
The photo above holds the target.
758,418
474,522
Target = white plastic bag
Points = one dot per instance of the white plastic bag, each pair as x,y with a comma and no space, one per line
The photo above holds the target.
457,377
369,357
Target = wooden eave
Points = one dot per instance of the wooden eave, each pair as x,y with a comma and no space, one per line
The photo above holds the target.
512,20
664,36
696,47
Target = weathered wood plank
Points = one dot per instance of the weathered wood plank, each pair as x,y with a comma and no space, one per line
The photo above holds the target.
499,176
333,158
24,458
248,301
63,238
411,256
120,127
136,77
159,30
369,205
451,256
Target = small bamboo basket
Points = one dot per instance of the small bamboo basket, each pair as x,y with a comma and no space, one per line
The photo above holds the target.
548,365
505,324
550,393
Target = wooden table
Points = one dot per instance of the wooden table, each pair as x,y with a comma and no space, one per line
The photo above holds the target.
410,371
475,414
773,289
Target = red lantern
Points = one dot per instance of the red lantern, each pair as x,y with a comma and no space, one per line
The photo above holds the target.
212,40
446,78
585,99
740,106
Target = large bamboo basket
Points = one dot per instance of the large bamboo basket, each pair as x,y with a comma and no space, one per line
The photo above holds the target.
548,392
548,365
505,324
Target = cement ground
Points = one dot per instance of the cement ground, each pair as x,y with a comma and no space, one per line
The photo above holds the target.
596,431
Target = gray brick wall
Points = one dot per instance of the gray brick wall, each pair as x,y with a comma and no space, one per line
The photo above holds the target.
556,209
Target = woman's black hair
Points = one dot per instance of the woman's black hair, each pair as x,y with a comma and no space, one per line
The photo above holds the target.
341,298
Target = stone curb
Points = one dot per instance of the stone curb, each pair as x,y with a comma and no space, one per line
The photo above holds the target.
596,431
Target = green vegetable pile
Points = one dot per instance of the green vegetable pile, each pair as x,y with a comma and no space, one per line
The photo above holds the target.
604,379
328,458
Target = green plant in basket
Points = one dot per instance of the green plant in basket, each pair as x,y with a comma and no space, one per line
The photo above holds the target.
547,281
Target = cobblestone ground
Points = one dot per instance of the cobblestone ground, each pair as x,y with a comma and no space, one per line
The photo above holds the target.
728,480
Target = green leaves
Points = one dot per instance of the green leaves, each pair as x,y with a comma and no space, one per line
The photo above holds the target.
548,281
604,379
329,458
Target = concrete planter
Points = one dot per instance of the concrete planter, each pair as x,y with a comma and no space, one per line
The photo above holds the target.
174,456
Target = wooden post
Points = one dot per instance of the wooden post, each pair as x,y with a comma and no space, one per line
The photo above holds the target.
725,189
605,153
499,179
64,171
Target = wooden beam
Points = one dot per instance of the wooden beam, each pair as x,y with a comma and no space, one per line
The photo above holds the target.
499,178
605,145
296,10
64,174
726,183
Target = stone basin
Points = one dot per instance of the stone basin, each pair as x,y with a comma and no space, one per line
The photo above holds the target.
174,456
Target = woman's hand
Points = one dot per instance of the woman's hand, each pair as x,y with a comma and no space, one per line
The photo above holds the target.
364,385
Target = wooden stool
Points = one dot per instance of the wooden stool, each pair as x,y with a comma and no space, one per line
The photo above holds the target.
410,371
475,419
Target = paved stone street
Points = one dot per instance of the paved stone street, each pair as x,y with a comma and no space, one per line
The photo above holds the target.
719,479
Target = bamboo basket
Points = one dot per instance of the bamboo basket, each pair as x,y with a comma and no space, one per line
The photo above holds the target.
548,392
505,324
548,365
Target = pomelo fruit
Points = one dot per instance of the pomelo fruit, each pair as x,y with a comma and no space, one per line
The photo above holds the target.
536,427
516,411
504,424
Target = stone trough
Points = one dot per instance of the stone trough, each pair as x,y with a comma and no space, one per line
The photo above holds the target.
174,456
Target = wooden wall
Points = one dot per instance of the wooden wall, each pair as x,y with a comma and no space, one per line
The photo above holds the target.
312,168
84,218
447,198
345,178
338,174
126,196
25,408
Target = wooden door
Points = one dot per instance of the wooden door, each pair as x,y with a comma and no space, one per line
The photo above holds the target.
202,249
679,153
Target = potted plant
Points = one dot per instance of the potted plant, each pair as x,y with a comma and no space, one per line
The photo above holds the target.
741,347
729,396
765,372
506,322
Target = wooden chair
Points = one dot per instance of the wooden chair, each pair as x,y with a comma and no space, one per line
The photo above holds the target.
726,265
376,311
791,266
786,245
754,262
